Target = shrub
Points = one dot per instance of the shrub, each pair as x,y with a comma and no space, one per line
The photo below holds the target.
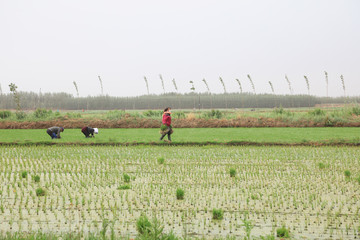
24,174
317,112
73,115
20,115
212,114
143,225
5,114
355,110
36,178
124,187
232,172
161,160
42,113
179,115
347,173
218,214
179,194
151,113
40,192
126,178
282,232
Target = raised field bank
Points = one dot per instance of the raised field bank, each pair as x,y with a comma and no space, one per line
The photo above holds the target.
227,174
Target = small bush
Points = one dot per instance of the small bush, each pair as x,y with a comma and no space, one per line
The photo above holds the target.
20,115
218,214
143,225
232,172
42,113
317,112
347,173
161,160
124,187
36,178
212,114
24,174
282,232
179,115
151,113
126,178
5,114
40,192
355,110
179,194
73,115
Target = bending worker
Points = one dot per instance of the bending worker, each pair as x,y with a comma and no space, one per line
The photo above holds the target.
54,132
87,131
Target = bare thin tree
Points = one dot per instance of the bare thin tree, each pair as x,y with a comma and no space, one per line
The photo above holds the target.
147,85
101,85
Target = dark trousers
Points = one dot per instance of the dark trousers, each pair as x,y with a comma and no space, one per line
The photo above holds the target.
86,132
168,132
51,134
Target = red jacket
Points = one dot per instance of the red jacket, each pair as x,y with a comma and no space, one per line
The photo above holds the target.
166,119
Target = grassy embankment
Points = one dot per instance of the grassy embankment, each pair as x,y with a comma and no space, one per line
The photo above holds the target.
190,136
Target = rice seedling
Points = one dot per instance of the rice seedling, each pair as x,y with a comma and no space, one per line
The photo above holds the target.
217,214
36,178
40,192
161,160
24,174
347,173
126,178
180,194
282,232
124,187
232,172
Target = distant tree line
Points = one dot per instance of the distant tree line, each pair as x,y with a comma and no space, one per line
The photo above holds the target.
31,101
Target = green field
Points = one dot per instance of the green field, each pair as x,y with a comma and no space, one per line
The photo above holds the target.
190,135
312,191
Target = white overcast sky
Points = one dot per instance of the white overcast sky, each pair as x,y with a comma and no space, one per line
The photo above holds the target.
47,44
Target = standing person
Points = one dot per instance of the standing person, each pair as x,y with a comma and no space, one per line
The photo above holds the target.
87,131
54,132
166,128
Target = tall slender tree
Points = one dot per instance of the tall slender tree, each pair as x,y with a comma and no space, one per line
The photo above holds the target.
252,83
101,85
147,85
307,84
289,84
175,86
223,84
272,87
76,88
343,84
327,84
162,82
238,81
13,89
207,86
